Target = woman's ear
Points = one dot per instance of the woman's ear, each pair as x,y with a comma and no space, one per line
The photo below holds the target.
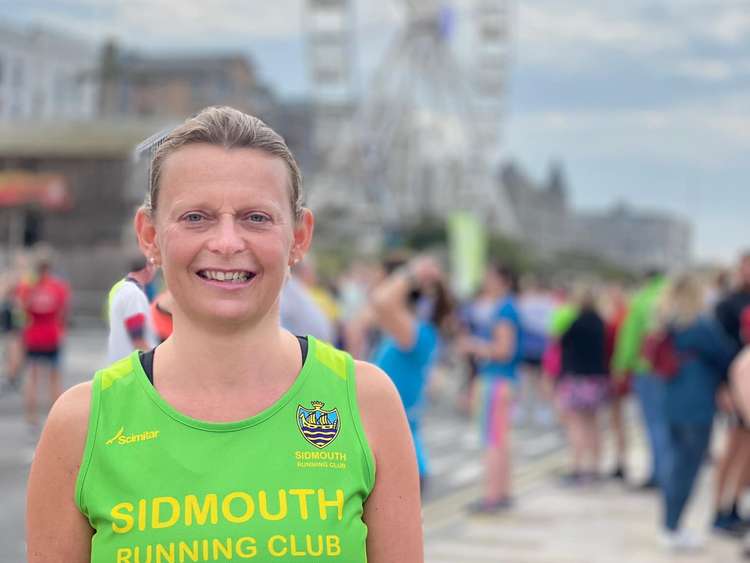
303,231
145,230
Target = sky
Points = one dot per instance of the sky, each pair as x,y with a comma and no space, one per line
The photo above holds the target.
644,101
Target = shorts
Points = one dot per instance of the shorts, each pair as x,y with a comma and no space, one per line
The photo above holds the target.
582,393
51,357
8,322
532,362
495,405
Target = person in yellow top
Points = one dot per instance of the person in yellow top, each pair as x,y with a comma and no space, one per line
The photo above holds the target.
305,271
224,220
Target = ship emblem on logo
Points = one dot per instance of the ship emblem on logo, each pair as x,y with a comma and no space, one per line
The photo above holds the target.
318,426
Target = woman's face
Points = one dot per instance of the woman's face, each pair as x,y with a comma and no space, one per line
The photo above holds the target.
493,282
224,232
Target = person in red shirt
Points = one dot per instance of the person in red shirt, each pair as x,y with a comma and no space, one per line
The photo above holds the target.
45,304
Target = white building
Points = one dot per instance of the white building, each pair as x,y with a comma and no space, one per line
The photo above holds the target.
45,75
636,239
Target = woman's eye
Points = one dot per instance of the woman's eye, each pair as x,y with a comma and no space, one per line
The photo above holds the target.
257,218
193,217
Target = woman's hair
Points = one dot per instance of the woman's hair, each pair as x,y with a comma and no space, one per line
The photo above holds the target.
229,128
585,296
442,305
682,302
509,276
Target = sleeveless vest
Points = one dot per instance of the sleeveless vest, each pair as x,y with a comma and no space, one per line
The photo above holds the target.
287,484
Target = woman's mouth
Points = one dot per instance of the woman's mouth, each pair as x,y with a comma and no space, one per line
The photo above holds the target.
227,276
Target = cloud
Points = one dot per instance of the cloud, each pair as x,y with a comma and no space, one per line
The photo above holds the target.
707,133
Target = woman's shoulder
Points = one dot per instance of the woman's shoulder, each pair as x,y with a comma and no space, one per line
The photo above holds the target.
374,387
380,408
72,408
67,424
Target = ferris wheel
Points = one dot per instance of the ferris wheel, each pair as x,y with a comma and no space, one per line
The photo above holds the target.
425,138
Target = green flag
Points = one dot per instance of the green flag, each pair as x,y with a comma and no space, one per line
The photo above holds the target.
468,250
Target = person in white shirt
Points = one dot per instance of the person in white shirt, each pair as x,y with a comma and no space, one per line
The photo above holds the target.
130,325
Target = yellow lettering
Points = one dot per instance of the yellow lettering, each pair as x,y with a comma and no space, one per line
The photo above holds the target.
205,550
142,514
323,504
294,551
310,550
263,505
226,507
188,551
333,546
302,494
156,505
226,549
162,551
210,507
148,554
118,513
124,554
246,552
272,546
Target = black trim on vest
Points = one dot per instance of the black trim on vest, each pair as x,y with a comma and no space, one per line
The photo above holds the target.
147,358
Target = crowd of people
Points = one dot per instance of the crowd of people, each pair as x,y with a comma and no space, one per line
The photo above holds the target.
246,327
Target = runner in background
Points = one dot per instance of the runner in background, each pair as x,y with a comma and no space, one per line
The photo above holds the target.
740,380
583,386
161,315
45,302
536,306
300,314
628,360
411,307
733,466
12,321
129,312
497,346
692,355
306,272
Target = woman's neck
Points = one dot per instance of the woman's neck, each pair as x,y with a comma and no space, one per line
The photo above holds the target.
263,355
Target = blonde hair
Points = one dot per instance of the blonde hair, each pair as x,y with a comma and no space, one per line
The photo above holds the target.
682,302
229,128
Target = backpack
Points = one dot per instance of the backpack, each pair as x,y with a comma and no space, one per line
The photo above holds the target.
660,351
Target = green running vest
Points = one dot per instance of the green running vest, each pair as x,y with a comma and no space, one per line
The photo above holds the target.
288,484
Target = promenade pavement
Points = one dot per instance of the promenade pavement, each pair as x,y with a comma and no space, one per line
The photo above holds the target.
606,522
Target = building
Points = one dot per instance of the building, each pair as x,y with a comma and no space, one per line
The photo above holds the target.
639,240
631,238
46,75
542,211
178,86
93,230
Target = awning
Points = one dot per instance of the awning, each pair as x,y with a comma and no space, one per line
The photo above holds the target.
28,188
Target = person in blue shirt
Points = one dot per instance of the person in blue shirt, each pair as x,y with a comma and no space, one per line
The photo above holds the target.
411,306
704,355
496,343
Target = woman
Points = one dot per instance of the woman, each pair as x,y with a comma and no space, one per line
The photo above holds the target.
582,388
497,346
410,307
234,438
703,355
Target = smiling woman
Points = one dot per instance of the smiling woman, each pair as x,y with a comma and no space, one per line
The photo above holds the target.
233,402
